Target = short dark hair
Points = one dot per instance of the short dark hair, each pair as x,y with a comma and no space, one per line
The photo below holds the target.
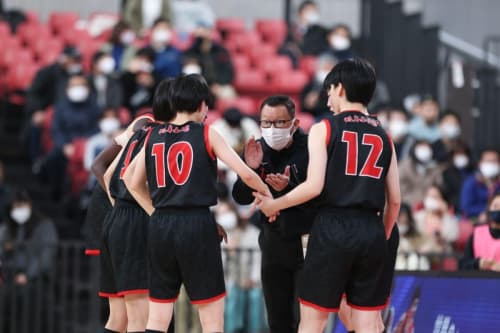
117,30
98,55
160,20
147,53
489,149
306,3
357,77
450,113
189,92
162,101
280,100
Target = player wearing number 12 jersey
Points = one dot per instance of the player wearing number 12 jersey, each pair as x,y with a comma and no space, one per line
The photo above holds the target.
178,163
353,169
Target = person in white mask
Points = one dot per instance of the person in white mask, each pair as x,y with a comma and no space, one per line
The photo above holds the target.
27,241
418,172
168,59
104,81
460,166
451,130
280,157
339,41
478,188
121,45
398,129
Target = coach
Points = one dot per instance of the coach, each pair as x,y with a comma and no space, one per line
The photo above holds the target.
280,157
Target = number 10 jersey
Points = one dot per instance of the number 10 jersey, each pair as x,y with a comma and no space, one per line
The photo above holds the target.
181,166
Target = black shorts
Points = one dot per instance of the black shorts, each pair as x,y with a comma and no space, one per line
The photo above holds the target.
184,248
124,268
392,253
346,252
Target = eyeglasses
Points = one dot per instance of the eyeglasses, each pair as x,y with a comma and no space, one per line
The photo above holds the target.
277,123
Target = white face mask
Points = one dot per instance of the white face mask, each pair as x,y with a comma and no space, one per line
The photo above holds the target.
78,93
321,76
161,36
489,169
227,220
127,37
312,17
449,131
21,215
74,69
431,204
277,138
403,229
423,154
398,128
109,126
107,65
191,69
340,43
460,161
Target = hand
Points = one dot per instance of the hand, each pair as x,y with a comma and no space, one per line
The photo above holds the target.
222,233
486,264
496,267
253,153
38,118
21,279
69,150
267,205
145,79
279,181
311,99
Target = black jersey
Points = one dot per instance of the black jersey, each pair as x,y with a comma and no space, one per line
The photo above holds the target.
181,167
359,156
117,187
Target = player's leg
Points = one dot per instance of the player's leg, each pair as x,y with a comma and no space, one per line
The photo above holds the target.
212,316
312,320
345,314
366,321
137,312
117,320
160,315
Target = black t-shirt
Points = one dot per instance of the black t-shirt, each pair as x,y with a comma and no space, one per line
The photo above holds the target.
359,156
181,166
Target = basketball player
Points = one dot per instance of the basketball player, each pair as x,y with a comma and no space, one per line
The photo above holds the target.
179,164
353,169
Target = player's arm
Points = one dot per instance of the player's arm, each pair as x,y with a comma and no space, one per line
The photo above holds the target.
102,162
135,180
227,154
393,195
109,173
313,185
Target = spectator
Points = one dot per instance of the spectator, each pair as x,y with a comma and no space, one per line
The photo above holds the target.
313,98
139,81
410,242
105,85
339,41
27,241
141,14
424,126
75,116
191,66
120,45
215,62
236,128
459,168
450,129
436,223
398,129
48,87
4,192
382,112
417,173
168,59
478,188
482,251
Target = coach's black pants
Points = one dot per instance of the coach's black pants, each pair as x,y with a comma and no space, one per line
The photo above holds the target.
282,260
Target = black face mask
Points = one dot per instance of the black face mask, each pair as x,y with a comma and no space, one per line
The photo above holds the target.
494,216
495,232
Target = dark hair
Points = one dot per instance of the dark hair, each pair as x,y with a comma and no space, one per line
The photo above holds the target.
146,52
233,116
119,27
412,229
414,147
441,191
306,3
450,113
341,26
160,20
493,197
489,150
97,56
189,92
162,101
357,77
399,110
19,196
280,100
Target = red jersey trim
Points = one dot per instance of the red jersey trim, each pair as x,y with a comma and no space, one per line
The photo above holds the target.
109,295
208,147
133,292
147,137
158,300
369,308
92,252
209,300
317,307
328,131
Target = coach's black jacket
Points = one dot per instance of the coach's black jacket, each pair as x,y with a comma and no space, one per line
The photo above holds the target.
295,221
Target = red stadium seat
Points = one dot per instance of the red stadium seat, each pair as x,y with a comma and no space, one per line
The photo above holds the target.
308,65
240,62
31,16
272,31
245,104
60,21
212,116
245,42
277,64
449,264
4,31
249,81
306,120
10,57
230,25
20,76
289,82
75,36
260,55
30,32
465,230
42,46
76,170
48,57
